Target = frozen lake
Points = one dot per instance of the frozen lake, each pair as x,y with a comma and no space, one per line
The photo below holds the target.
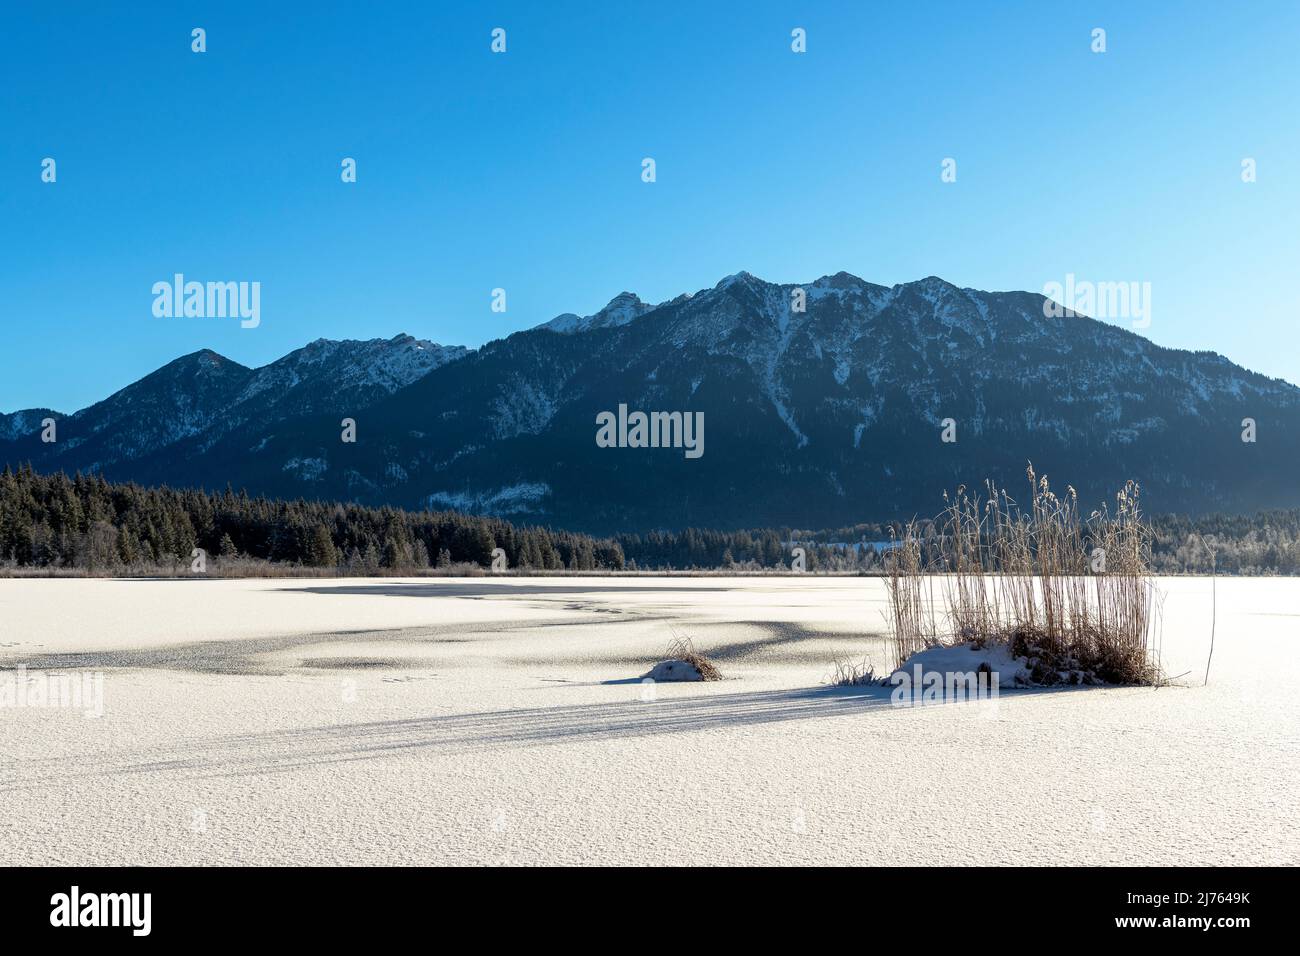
502,721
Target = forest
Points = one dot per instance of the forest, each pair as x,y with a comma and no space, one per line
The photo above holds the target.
86,524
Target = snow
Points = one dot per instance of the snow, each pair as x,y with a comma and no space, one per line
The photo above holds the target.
673,671
386,364
308,469
620,310
521,408
511,499
24,422
965,659
847,324
565,322
843,366
736,278
767,352
503,720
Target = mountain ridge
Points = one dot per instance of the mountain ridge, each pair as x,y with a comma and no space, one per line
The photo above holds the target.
816,418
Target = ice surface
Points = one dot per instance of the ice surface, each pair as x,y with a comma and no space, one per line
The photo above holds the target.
503,720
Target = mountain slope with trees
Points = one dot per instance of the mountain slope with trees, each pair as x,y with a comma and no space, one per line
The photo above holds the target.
820,417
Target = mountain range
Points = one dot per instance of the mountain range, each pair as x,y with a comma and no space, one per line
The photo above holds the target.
820,417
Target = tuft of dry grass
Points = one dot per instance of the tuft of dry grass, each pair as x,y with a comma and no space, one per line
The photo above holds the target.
850,674
683,649
1075,595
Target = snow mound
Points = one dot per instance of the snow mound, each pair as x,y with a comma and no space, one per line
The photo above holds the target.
674,671
944,659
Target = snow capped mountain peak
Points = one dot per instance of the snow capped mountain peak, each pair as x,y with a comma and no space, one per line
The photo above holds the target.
565,322
737,277
372,364
771,300
202,359
840,280
826,392
620,310
931,288
410,341
625,305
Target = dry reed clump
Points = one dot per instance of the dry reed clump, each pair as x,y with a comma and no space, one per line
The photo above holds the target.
850,674
1074,596
683,649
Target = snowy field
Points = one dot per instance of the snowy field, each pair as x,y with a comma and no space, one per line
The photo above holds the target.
502,721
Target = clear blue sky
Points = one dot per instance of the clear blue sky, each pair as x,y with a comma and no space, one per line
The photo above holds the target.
522,170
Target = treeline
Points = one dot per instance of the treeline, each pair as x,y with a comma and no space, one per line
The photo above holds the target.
54,521
767,548
84,522
1267,542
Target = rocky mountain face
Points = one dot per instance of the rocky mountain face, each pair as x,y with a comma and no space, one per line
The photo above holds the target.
818,417
23,423
189,404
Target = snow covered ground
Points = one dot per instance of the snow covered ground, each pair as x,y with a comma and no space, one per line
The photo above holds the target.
503,721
